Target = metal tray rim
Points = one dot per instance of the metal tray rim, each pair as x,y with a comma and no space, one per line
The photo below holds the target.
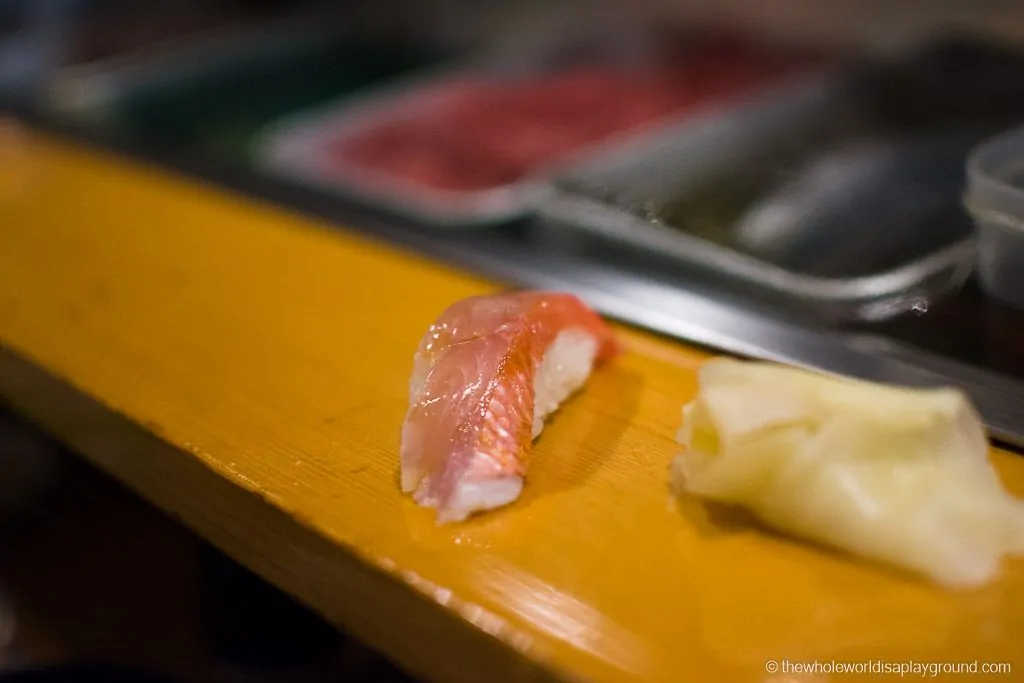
563,209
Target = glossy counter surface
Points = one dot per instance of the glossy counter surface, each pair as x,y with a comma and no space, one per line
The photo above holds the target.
246,369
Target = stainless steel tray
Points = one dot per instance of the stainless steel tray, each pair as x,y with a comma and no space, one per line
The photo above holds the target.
674,159
291,148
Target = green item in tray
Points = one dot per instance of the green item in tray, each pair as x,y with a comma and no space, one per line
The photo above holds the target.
219,113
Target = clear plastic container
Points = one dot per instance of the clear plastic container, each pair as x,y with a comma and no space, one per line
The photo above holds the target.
995,199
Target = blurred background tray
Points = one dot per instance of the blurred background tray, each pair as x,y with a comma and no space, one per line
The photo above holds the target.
474,144
841,197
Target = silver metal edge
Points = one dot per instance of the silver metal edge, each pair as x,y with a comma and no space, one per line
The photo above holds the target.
584,215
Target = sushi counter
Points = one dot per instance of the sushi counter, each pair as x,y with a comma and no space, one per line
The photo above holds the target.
215,293
246,368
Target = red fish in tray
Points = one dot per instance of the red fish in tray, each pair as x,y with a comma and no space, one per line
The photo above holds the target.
486,375
483,134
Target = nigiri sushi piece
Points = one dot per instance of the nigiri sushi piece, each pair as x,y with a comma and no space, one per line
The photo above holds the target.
486,375
900,476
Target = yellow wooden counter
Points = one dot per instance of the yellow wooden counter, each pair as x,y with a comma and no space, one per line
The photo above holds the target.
246,369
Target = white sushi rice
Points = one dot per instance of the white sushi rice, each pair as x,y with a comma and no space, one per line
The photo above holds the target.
563,370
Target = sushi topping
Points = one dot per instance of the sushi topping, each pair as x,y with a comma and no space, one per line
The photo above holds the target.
900,476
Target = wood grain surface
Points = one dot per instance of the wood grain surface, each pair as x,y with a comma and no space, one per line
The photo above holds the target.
246,369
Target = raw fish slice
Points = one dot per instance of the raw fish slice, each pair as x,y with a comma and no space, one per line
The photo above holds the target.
897,475
485,376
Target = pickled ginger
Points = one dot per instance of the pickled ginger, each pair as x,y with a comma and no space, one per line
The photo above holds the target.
896,475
